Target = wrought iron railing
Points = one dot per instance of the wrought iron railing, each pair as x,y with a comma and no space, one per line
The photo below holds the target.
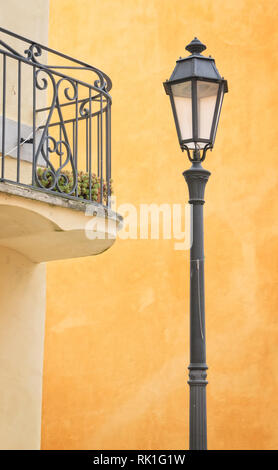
56,115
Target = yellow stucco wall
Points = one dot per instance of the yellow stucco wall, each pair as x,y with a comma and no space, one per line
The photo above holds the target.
116,347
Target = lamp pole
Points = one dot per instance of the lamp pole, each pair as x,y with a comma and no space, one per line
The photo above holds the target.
196,178
196,91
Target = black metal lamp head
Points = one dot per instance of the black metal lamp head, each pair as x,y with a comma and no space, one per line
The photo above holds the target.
196,91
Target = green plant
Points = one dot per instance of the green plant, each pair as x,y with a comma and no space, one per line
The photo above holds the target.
66,183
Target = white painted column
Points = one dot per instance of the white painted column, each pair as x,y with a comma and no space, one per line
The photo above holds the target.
22,316
22,283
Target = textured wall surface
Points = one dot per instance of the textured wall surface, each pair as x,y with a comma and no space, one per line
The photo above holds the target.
116,347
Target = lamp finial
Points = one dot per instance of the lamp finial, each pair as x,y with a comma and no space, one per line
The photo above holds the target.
195,46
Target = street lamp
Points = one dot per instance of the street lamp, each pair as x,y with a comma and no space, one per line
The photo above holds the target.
196,92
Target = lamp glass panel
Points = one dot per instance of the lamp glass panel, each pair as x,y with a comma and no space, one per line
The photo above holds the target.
206,101
218,111
182,96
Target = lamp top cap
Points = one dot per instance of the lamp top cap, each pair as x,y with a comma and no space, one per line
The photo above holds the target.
195,46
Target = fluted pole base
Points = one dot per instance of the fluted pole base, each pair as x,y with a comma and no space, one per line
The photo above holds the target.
198,407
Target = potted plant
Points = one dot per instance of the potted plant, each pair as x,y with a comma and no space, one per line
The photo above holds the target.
66,183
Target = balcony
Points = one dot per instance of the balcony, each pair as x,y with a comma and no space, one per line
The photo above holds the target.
55,171
55,147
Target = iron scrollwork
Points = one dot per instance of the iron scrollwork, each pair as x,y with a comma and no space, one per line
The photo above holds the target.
55,164
57,178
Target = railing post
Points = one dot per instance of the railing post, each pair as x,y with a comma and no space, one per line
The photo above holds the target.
108,151
18,121
3,117
34,127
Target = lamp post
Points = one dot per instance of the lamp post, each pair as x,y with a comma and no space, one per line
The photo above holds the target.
196,92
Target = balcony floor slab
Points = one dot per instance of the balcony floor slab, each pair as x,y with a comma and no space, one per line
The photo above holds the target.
45,227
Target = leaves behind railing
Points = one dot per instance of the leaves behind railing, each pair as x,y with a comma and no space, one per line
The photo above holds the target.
86,189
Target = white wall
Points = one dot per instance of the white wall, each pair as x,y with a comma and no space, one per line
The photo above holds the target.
28,18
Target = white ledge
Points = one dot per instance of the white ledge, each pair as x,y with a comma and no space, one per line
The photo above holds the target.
45,227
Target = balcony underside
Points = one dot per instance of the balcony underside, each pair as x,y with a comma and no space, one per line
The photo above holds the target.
45,227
